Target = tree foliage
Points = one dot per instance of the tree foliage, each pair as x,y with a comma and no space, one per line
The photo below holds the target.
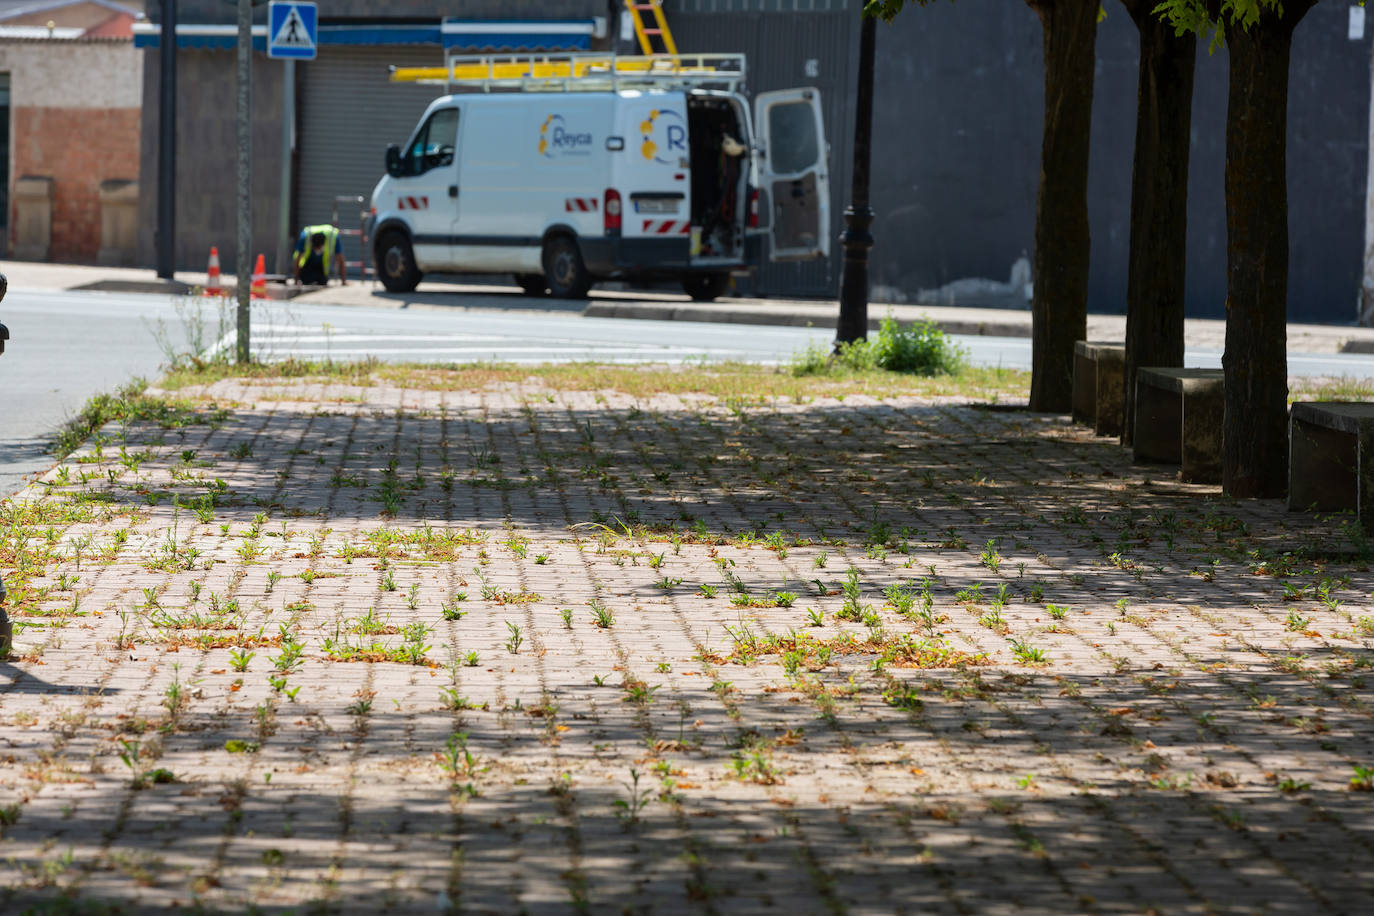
888,9
1207,17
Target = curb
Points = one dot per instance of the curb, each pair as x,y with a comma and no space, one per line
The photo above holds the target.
799,318
178,288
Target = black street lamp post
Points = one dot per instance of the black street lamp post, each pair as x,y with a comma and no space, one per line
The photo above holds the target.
858,216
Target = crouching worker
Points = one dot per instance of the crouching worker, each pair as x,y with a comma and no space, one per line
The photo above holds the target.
317,252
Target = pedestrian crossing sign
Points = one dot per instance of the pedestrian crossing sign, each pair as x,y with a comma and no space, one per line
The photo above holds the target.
292,30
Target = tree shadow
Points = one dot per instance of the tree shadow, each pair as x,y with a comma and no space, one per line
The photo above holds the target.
1186,751
1156,826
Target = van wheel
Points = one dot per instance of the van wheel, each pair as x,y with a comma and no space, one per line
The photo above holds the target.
705,287
532,284
396,263
564,269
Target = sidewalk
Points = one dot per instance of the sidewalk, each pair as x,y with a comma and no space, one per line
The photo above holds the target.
1199,333
527,640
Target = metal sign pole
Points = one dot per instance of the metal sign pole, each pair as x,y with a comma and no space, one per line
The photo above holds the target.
245,184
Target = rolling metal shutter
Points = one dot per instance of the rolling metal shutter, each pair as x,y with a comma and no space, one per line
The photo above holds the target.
349,112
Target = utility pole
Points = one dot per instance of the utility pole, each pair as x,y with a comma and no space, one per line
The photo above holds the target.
245,183
858,216
167,143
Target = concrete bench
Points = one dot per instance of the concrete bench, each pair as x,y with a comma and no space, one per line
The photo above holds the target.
1099,372
1178,419
1331,458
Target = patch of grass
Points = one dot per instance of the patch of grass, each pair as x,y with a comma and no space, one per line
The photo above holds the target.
358,372
1344,388
132,404
719,380
916,349
803,650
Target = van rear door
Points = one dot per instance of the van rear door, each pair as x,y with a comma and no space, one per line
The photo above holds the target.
792,172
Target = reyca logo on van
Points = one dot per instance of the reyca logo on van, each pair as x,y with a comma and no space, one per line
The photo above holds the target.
555,139
663,137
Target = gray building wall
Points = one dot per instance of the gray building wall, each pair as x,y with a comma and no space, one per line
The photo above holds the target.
789,43
207,158
958,112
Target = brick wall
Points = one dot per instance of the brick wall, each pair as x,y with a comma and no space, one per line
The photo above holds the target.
79,148
74,116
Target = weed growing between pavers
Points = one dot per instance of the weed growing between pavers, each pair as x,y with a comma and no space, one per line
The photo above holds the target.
507,639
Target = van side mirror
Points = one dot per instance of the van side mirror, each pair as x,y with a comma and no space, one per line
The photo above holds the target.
393,161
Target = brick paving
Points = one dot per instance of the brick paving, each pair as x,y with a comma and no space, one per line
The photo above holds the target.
820,689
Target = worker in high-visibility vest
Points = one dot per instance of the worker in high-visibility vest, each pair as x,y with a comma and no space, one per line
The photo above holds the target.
317,250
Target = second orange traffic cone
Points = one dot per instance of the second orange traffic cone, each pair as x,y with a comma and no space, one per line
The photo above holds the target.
213,286
259,288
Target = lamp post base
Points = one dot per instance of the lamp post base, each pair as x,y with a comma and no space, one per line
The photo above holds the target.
857,240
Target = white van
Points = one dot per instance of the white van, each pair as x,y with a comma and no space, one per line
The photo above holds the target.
624,168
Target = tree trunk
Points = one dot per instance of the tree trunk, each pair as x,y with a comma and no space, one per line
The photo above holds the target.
1059,307
1159,199
1255,431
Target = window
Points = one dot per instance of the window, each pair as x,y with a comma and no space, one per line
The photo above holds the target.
792,141
434,142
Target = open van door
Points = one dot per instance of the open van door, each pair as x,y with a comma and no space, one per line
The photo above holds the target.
793,173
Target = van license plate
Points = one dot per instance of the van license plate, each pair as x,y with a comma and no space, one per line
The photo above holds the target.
652,205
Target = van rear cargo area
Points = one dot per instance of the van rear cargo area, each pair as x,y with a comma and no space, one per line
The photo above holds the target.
719,160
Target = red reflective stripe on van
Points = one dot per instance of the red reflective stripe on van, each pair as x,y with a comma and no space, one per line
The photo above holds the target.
580,205
665,226
412,203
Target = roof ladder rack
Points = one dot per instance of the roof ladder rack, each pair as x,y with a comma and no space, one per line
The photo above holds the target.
579,72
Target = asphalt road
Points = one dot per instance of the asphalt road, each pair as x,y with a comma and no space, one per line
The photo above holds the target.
63,348
68,346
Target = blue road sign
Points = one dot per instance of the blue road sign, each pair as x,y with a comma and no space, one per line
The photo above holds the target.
292,30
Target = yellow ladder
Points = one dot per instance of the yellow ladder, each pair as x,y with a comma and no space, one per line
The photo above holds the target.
650,27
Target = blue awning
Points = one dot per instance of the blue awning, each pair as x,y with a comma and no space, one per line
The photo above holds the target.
200,37
519,34
379,35
463,34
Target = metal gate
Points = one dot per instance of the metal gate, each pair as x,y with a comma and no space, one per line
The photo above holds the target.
789,43
349,113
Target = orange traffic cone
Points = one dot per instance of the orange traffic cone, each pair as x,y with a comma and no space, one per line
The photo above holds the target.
213,287
259,287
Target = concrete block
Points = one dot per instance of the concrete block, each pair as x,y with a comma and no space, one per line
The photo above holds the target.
118,222
1331,458
32,218
1178,420
1099,373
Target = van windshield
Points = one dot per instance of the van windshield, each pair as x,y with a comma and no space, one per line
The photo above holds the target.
434,142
